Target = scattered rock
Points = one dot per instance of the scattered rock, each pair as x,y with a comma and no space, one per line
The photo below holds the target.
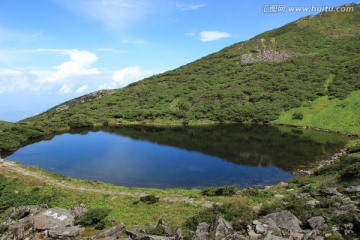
23,228
303,195
352,189
269,236
329,192
313,203
143,236
202,232
114,232
317,223
236,236
78,211
220,228
348,208
64,232
164,227
179,234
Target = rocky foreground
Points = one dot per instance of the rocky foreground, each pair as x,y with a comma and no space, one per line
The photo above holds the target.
40,222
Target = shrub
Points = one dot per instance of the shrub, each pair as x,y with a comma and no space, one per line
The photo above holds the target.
149,199
351,172
297,116
299,208
219,191
95,217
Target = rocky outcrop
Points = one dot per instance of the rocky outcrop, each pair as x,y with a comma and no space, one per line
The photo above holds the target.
27,221
84,99
265,55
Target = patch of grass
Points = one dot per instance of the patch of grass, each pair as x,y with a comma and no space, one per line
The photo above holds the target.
335,114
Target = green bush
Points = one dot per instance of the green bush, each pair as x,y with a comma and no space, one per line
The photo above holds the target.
219,191
95,217
351,172
149,199
297,116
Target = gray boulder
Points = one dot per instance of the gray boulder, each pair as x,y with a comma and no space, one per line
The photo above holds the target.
164,227
64,232
220,228
78,211
24,211
352,189
114,232
23,228
202,232
329,192
179,234
284,220
317,223
53,218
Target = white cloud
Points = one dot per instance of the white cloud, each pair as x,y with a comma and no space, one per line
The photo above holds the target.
114,14
189,7
129,75
206,36
13,81
65,88
82,89
77,66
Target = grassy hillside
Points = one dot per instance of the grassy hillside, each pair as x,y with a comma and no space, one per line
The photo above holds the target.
308,65
13,134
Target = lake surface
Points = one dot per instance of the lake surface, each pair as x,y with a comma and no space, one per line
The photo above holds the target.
241,155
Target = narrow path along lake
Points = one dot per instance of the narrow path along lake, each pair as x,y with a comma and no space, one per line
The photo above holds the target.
241,155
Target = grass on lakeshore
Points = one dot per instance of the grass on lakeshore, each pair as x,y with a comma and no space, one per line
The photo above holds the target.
335,114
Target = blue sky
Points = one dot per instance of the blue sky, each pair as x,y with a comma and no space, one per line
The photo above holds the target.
54,50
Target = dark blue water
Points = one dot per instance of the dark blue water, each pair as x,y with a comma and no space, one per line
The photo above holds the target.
177,157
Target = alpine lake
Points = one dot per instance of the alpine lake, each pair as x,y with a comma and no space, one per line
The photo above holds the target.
181,157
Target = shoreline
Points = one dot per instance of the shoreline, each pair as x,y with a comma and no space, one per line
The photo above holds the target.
116,125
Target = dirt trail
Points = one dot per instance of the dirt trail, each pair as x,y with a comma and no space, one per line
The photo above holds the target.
8,166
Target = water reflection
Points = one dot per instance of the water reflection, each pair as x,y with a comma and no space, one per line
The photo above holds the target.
243,155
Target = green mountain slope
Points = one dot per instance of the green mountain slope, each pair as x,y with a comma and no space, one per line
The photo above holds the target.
259,80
